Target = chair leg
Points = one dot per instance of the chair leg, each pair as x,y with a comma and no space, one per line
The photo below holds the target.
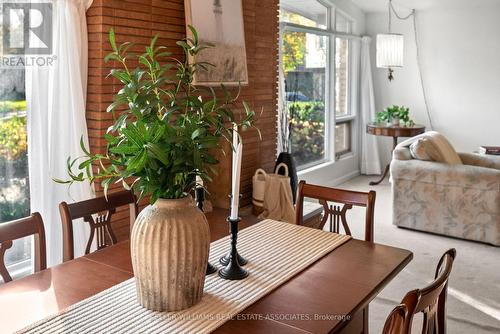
365,320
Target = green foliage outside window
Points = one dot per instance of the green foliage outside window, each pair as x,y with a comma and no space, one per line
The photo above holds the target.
313,111
12,106
293,51
14,188
307,141
13,144
307,119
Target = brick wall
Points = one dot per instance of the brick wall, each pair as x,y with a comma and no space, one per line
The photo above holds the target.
137,21
342,72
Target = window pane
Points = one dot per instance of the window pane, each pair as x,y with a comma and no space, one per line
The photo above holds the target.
342,138
306,13
14,187
303,60
341,77
342,23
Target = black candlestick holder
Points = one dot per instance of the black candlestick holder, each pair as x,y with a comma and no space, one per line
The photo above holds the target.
225,259
233,269
200,198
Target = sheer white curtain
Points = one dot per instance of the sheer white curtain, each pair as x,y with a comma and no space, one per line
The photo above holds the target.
370,159
56,122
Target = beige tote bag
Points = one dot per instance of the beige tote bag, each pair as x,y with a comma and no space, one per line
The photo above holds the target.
259,188
278,204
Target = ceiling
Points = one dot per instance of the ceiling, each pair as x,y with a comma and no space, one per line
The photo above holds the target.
381,5
301,6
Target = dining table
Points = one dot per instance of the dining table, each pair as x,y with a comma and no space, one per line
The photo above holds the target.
330,296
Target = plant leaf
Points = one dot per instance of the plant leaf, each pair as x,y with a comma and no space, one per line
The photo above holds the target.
112,39
158,153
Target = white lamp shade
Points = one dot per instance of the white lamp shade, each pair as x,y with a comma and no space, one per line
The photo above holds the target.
390,49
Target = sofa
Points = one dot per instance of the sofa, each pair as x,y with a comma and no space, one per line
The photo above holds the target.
458,198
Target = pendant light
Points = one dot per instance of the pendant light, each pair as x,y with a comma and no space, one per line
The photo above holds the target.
390,48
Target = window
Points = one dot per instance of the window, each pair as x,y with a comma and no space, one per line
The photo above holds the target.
304,62
304,13
342,138
318,108
14,185
342,23
341,77
343,114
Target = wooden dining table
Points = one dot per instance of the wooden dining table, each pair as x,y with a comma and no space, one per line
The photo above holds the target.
329,296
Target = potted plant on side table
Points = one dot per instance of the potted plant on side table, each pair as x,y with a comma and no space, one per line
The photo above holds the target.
165,135
395,115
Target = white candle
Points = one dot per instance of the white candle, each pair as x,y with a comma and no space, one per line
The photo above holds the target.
236,184
236,172
234,150
235,139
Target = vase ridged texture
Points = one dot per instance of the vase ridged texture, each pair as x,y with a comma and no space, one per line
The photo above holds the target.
170,243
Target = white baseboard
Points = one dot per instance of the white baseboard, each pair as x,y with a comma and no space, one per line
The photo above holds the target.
324,180
343,179
332,173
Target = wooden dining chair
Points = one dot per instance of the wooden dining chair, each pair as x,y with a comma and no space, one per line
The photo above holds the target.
336,213
97,212
20,228
395,323
430,300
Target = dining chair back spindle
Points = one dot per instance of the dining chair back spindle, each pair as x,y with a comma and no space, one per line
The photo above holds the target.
336,213
395,323
430,300
20,228
97,212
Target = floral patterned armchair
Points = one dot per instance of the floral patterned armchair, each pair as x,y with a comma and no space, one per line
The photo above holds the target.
461,200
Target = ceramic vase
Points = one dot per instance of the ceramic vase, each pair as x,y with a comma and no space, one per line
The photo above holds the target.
170,242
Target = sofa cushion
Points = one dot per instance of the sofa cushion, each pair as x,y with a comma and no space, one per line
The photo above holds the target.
480,160
432,146
448,153
424,149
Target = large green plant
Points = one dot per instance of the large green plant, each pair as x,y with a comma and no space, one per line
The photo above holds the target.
167,131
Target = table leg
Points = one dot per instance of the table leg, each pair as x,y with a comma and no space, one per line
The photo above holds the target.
374,183
394,144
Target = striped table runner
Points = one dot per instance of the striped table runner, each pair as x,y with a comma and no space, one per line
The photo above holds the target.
276,251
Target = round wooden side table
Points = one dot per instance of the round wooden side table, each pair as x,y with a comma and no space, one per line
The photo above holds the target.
394,131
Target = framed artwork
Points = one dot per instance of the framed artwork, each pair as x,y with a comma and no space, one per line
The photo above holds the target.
219,22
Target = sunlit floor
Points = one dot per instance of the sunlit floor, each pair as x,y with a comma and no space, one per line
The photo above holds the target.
474,293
